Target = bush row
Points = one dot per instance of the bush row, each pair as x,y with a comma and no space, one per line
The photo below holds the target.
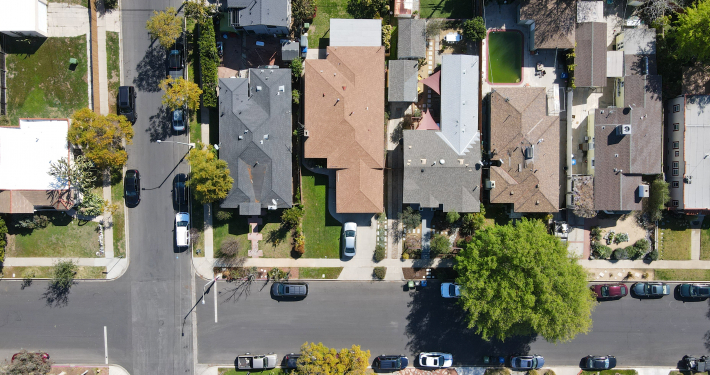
635,251
207,46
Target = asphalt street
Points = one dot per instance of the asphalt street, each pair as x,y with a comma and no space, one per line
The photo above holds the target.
385,318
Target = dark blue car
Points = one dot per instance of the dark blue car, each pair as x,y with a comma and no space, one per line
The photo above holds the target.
694,290
651,289
526,362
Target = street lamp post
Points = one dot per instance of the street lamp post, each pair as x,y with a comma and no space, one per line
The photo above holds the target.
182,143
205,287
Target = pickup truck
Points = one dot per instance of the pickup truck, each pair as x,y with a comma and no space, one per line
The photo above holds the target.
250,361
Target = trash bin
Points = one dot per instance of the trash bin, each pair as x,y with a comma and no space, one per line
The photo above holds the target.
72,61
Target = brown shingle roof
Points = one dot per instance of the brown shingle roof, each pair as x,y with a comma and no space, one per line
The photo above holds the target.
25,201
519,120
591,55
554,22
344,107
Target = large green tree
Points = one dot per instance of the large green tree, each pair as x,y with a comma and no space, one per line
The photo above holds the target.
101,137
200,10
520,280
165,26
656,202
692,33
322,360
179,93
474,29
209,178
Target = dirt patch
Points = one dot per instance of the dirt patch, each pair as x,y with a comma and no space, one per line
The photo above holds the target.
630,275
622,224
443,273
236,273
71,370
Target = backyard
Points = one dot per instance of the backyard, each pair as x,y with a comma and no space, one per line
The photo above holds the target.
43,84
321,230
450,9
674,242
62,238
320,28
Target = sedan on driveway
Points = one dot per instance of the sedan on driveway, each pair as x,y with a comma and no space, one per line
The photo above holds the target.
349,231
526,362
435,360
132,188
610,291
597,362
651,289
450,290
694,290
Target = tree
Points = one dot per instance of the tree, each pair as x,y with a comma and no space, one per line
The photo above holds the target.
386,36
653,10
434,27
63,275
520,280
656,202
77,173
452,217
302,11
26,363
200,10
101,137
179,93
472,223
296,68
691,31
439,244
474,29
296,96
165,26
209,180
319,359
110,4
3,241
410,218
291,217
207,45
367,8
228,252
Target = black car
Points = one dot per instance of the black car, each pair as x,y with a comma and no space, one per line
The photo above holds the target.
180,190
290,360
127,103
694,290
132,188
598,362
390,363
176,63
290,290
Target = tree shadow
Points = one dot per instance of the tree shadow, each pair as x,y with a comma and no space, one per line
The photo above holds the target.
159,127
150,70
56,296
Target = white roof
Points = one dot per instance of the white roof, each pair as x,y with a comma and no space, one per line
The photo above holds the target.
23,15
355,33
590,11
459,101
614,63
26,152
697,152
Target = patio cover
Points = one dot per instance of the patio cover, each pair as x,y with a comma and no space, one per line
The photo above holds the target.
434,82
427,122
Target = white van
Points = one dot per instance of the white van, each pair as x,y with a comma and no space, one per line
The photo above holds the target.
182,229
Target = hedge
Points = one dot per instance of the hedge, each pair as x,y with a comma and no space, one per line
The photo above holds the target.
207,46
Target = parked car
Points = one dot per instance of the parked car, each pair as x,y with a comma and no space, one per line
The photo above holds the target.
651,289
176,63
450,290
349,231
596,362
182,229
180,190
610,291
178,119
44,356
390,362
290,290
127,103
290,360
249,361
132,188
435,360
694,290
694,364
526,362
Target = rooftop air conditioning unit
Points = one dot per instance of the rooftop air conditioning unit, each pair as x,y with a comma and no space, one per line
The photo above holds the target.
623,130
490,184
643,191
305,133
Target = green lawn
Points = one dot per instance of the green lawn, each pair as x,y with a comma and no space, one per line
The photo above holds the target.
321,230
231,371
83,272
683,275
705,240
236,227
675,239
63,237
41,84
610,372
320,27
113,72
84,3
119,219
452,9
275,243
318,272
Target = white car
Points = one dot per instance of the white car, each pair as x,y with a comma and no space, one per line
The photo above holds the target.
182,229
450,290
349,231
436,360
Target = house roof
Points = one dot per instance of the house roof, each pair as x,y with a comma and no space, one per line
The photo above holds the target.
459,101
639,41
636,64
455,184
520,125
554,22
402,81
25,15
25,201
696,79
289,50
355,33
262,12
697,165
344,107
591,54
411,38
257,109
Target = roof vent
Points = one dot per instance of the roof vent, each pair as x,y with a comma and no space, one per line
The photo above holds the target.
529,152
423,161
442,161
258,88
266,136
305,133
282,88
623,129
241,137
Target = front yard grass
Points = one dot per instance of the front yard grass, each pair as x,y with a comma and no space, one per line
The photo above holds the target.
451,9
231,371
705,240
610,372
64,237
84,3
119,218
318,272
683,275
275,243
42,85
674,239
320,27
321,230
113,71
83,272
236,227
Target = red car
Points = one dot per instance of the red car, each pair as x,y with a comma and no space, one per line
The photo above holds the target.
610,291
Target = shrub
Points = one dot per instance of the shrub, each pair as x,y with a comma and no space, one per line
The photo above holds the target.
405,255
652,255
223,215
410,218
621,237
3,242
386,36
659,196
497,371
92,204
452,217
380,253
37,221
379,272
633,252
439,244
549,372
300,244
621,254
296,68
296,96
207,46
472,223
642,245
228,250
601,251
291,217
533,372
596,233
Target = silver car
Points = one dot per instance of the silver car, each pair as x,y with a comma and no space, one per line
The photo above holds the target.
349,231
178,120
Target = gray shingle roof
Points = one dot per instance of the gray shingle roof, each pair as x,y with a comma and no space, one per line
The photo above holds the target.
411,38
402,81
459,101
258,109
262,12
590,54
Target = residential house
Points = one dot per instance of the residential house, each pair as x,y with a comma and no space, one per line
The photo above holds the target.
260,16
411,39
344,111
255,139
26,186
551,22
355,33
591,54
442,168
525,150
403,79
23,18
687,166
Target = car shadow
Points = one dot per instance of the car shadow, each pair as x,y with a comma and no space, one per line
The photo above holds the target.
159,127
150,70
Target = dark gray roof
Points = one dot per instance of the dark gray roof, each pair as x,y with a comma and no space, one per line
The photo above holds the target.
262,12
258,109
402,81
459,100
289,50
590,55
411,38
455,184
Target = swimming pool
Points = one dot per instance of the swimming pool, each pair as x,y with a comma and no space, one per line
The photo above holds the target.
505,56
